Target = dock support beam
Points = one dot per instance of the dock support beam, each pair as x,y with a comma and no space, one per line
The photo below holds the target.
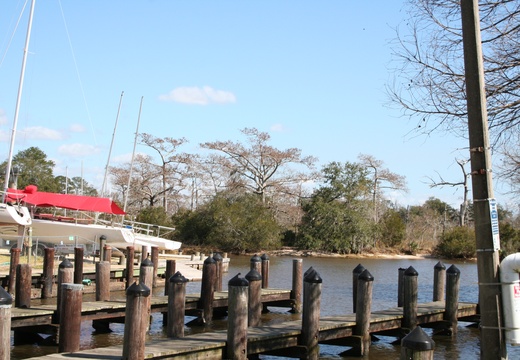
237,319
311,314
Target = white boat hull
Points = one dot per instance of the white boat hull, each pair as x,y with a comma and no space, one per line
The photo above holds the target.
14,215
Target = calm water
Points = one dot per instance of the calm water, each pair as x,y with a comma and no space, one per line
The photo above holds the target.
336,300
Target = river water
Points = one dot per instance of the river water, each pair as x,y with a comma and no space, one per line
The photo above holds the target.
336,300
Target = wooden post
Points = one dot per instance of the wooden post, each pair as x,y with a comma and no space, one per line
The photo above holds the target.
355,275
207,289
70,319
255,297
452,297
6,303
144,252
155,262
15,260
22,298
146,278
78,265
176,305
410,299
265,271
439,274
48,273
107,253
237,318
136,316
400,287
102,242
256,263
171,266
417,345
103,281
65,276
311,313
129,278
364,307
218,273
297,286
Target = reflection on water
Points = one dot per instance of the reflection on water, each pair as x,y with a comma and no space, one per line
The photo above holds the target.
336,300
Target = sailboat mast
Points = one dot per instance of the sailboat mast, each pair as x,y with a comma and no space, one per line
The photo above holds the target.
18,100
111,144
133,155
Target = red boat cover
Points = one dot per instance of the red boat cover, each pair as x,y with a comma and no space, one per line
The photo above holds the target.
32,196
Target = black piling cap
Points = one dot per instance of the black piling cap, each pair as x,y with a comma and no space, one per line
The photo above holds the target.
256,258
65,264
5,297
264,257
411,272
238,281
312,276
137,290
178,278
146,262
253,275
439,266
358,269
209,260
217,257
366,276
417,339
453,270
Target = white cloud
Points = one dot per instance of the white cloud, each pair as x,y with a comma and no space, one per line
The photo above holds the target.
75,150
77,128
277,128
40,133
198,96
3,117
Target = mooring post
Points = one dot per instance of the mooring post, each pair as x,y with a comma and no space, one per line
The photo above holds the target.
265,271
311,313
146,278
171,266
65,276
439,275
15,260
218,271
70,319
452,297
78,265
129,278
6,304
22,298
136,320
355,275
297,286
256,263
144,252
417,345
410,299
364,307
255,297
238,289
155,262
400,287
176,305
48,273
103,281
107,253
207,289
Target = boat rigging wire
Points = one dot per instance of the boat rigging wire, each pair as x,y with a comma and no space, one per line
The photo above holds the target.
13,32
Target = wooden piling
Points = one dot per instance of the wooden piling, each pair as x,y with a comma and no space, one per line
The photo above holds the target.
136,317
355,275
15,260
311,313
129,274
400,287
70,319
364,308
297,286
78,265
439,275
409,321
48,273
255,297
171,266
107,253
417,345
452,297
176,305
144,252
218,271
6,303
22,297
207,289
155,262
237,319
146,278
256,263
65,276
265,271
102,242
103,281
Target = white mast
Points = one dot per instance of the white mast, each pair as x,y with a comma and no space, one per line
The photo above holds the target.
133,155
18,99
111,144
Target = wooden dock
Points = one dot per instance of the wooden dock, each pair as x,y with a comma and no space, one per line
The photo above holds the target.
279,338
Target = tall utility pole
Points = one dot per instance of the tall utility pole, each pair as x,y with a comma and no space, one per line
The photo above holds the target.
492,340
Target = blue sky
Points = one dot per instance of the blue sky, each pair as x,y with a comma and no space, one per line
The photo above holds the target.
312,76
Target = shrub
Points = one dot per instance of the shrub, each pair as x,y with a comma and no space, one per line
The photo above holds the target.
458,242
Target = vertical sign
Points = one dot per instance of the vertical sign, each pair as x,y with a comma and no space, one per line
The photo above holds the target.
493,213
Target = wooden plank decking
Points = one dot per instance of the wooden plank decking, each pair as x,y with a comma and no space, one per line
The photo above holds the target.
212,345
